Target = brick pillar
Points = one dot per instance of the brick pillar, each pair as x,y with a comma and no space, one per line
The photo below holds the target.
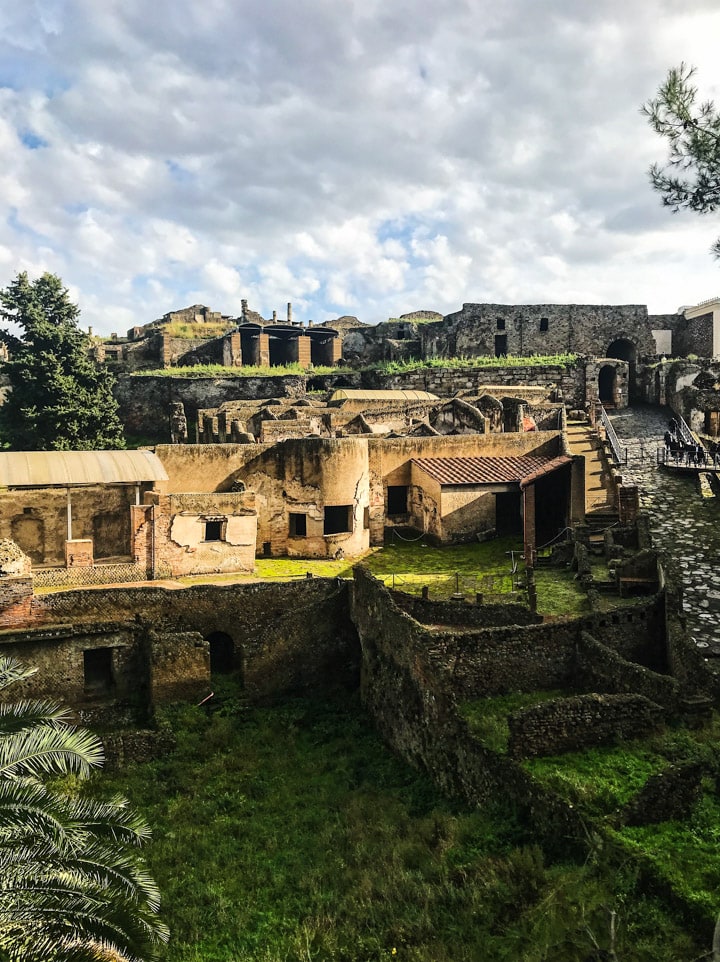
529,524
232,350
264,349
628,503
304,352
141,535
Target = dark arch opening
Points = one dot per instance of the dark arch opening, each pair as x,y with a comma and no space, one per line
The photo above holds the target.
607,384
222,653
625,350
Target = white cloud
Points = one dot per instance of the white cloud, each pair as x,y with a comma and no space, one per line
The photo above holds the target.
364,157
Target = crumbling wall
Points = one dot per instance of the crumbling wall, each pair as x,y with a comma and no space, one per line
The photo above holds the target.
572,724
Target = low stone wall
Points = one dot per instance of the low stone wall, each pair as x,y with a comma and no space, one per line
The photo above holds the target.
429,612
495,661
670,794
413,705
602,669
572,724
446,381
145,401
138,745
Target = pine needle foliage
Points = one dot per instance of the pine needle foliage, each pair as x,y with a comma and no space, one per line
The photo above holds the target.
60,398
73,886
690,178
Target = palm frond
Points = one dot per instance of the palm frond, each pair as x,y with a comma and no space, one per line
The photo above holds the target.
50,750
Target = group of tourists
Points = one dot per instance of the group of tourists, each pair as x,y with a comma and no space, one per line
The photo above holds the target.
688,453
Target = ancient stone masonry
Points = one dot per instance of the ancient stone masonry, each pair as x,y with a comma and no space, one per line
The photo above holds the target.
143,646
571,724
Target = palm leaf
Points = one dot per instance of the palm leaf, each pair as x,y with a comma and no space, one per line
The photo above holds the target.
49,750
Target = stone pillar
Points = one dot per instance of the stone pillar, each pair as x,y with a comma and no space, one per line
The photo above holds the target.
577,489
289,313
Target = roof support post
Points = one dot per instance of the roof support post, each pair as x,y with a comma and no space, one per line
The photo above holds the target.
69,516
529,525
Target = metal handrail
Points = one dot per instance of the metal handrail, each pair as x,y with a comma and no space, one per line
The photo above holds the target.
683,430
610,435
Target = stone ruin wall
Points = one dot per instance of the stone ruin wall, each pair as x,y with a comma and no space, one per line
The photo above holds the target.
145,400
570,328
290,637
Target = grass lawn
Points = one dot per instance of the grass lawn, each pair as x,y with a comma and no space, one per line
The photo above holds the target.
485,567
291,834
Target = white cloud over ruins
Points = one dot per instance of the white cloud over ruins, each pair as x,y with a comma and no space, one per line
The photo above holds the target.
355,157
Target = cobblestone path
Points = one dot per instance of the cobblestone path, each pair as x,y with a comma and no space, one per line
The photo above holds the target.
685,526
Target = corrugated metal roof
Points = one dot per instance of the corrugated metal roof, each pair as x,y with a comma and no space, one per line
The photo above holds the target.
40,469
488,470
353,394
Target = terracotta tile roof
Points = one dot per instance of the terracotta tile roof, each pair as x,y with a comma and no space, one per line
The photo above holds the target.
489,470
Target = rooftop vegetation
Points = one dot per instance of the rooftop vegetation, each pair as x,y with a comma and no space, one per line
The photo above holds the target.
219,370
383,367
291,833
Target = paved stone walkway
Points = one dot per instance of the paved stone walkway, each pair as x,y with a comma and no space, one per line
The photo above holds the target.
685,526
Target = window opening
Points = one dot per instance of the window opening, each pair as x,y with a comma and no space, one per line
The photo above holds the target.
298,525
544,324
337,519
97,671
214,531
397,495
501,323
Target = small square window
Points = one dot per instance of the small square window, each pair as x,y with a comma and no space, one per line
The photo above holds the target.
501,323
297,525
214,531
337,519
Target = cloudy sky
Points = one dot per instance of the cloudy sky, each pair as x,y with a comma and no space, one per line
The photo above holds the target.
366,157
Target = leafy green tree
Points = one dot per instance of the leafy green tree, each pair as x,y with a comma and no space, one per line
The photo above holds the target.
73,887
61,399
690,178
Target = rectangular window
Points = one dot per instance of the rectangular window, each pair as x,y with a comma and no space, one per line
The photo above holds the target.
544,324
298,525
500,345
97,671
337,519
501,323
397,495
214,529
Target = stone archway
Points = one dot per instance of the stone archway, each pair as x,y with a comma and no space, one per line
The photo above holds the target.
222,653
625,350
607,385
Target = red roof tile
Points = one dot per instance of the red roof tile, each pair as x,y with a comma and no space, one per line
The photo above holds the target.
526,468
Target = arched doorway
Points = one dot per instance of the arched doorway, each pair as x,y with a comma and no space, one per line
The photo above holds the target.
222,653
607,384
625,350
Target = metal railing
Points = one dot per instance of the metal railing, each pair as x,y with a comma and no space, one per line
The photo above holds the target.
683,430
612,438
